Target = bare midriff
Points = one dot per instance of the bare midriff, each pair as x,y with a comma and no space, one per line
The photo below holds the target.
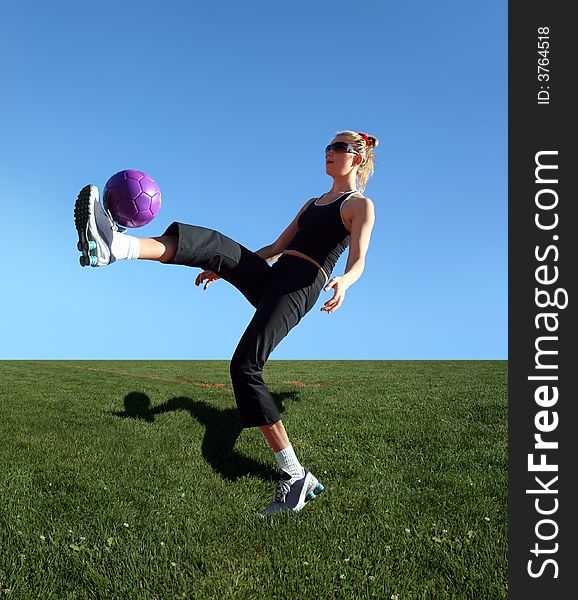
311,260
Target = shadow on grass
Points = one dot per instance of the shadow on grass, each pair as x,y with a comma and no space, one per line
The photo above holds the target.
222,429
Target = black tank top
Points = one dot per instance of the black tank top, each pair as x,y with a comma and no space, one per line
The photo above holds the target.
322,234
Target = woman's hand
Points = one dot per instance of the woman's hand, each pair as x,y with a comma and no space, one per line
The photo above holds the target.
339,287
208,275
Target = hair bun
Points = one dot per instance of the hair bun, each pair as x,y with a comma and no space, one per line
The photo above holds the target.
374,141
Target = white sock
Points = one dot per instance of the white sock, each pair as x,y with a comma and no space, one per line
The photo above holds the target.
288,462
125,246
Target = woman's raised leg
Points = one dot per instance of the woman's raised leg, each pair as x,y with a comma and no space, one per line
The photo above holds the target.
101,242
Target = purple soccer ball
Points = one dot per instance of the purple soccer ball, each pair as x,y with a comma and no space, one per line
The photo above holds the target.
133,198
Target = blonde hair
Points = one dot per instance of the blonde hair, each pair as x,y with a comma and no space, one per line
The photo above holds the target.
367,153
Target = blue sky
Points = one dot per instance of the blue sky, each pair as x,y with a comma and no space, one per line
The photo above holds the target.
228,106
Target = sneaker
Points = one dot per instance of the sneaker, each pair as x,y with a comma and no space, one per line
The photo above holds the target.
95,228
293,494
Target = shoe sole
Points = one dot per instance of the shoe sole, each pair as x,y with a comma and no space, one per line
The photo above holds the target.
86,245
81,221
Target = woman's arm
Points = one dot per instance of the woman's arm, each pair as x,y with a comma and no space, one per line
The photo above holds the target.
363,219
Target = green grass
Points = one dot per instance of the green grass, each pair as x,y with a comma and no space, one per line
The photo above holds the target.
133,479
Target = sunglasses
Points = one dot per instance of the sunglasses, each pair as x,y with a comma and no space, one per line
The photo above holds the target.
339,147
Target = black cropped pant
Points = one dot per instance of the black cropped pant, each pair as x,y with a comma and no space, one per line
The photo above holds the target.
282,294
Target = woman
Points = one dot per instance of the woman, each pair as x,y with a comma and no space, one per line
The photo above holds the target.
307,252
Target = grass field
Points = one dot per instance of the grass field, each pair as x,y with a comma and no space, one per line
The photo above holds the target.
133,479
